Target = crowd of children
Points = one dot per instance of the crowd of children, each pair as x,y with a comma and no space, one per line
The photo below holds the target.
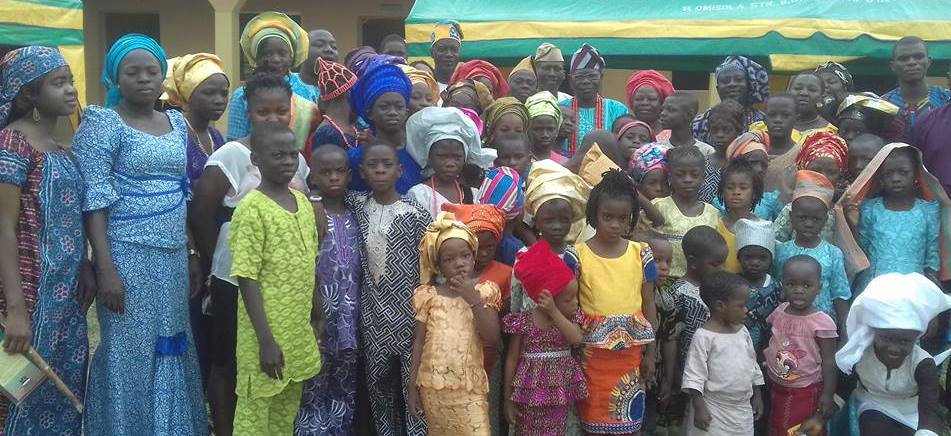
404,249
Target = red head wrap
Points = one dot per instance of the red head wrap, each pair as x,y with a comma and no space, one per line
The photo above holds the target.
480,68
649,78
824,144
478,217
539,268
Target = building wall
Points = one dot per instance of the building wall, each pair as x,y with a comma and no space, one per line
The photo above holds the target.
186,26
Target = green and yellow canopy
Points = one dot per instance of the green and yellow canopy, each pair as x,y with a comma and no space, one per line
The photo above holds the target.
56,23
788,35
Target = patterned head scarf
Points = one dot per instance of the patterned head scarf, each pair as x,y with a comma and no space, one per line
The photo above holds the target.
632,124
274,25
479,68
540,269
382,59
543,103
373,84
333,79
867,101
879,306
482,94
186,73
649,157
500,108
502,187
446,29
548,53
650,78
839,70
478,217
824,144
587,57
356,59
444,228
757,79
523,66
420,76
548,180
747,142
122,47
21,67
815,185
432,124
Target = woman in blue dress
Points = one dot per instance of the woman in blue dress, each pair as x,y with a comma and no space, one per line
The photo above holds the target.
144,378
41,239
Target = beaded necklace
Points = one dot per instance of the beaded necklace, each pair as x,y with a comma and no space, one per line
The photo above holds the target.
342,134
598,120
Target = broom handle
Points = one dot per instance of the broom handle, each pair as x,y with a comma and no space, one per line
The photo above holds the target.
45,367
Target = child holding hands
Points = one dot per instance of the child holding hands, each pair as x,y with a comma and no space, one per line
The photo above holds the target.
542,377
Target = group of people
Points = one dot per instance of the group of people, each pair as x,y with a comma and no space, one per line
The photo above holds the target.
377,246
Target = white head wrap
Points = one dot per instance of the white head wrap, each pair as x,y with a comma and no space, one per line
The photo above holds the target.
755,232
890,301
432,124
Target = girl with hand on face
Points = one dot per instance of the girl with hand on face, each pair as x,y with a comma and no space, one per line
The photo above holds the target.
455,319
46,283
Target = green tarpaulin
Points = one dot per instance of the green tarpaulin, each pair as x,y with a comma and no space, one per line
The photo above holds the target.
788,35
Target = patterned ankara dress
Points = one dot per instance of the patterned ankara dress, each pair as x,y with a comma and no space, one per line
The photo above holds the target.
389,238
327,406
144,376
50,238
548,379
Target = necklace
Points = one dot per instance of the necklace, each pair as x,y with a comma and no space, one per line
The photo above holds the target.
432,184
211,141
598,120
342,134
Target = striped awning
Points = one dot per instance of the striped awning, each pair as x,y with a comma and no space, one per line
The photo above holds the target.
788,35
56,23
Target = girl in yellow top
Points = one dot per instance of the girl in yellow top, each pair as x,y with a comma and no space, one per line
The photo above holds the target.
273,241
741,189
455,319
616,293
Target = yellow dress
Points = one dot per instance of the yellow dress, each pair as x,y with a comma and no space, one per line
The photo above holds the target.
676,225
452,381
614,330
278,249
732,264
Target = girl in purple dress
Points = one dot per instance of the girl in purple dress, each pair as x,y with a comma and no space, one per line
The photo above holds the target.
543,379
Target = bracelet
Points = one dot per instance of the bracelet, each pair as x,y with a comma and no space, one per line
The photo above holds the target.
192,252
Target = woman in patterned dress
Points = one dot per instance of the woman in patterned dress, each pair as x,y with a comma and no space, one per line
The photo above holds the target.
144,376
41,238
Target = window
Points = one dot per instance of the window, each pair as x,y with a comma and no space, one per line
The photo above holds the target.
373,30
121,24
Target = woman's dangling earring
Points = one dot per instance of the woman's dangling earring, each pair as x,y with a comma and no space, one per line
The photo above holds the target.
36,116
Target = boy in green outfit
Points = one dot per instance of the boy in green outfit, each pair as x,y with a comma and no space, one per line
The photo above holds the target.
273,241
